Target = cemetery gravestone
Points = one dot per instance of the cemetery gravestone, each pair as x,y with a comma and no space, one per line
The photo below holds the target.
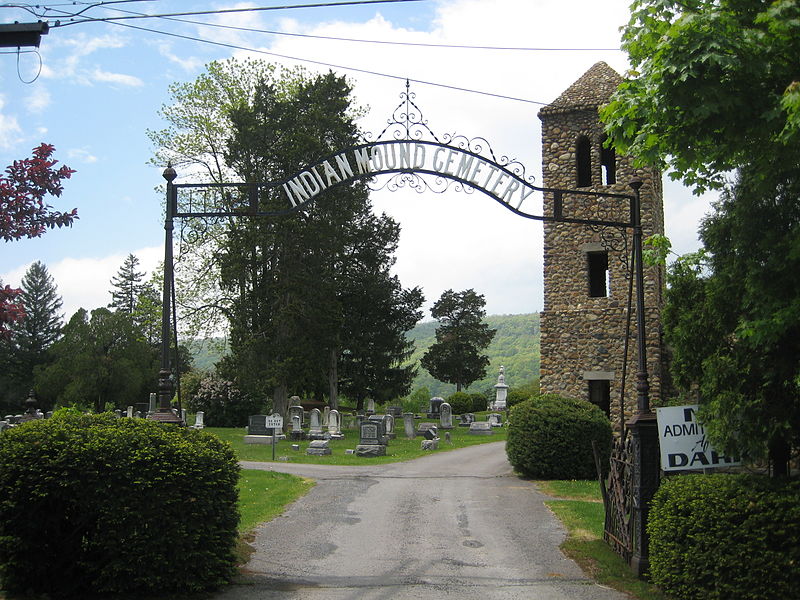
466,419
335,425
408,422
422,428
297,427
318,448
388,423
315,425
295,410
198,420
445,416
260,429
496,420
434,407
481,428
370,438
370,406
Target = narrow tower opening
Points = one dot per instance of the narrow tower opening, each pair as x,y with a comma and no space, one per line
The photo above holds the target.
608,162
598,274
583,158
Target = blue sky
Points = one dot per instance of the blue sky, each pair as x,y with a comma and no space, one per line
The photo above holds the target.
93,89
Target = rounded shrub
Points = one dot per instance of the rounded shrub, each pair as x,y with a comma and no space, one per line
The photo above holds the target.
460,402
550,437
92,504
521,393
724,536
479,402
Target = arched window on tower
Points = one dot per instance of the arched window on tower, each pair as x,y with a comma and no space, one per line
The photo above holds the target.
583,159
608,162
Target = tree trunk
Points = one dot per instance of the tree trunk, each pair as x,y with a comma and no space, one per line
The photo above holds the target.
779,455
280,402
333,381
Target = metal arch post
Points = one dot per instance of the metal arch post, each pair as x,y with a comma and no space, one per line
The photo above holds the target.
164,413
643,427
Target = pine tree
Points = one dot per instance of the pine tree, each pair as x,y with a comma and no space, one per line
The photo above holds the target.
127,286
39,329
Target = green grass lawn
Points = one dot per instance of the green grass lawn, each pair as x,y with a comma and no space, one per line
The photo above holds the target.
580,507
399,449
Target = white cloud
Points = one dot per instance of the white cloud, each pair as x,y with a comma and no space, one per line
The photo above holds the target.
82,155
10,131
116,78
85,282
39,99
190,64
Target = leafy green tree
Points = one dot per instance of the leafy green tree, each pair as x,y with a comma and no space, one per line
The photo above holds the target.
714,86
733,321
33,335
100,359
461,337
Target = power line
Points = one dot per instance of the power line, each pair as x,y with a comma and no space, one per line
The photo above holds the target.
358,40
235,10
331,65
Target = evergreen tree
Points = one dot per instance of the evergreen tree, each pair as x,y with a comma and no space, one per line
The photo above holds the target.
456,356
293,279
101,359
127,286
33,336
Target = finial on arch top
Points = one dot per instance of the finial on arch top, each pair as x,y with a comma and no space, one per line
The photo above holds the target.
169,173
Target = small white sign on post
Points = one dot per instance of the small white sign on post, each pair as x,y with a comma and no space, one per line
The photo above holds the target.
683,441
273,421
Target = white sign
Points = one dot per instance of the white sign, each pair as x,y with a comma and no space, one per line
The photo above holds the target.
274,421
683,441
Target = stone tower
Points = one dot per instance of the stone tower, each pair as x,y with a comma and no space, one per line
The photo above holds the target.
586,269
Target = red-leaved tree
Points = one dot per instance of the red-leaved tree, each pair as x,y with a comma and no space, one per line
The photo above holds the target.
25,214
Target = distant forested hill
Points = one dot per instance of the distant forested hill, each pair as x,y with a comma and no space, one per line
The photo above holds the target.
515,346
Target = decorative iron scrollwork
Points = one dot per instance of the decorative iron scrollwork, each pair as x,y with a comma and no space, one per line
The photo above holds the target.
620,498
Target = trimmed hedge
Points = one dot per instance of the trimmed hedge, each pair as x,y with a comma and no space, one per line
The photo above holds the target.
465,402
721,536
91,504
550,437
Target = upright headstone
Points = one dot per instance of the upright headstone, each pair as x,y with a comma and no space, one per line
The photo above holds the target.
153,406
260,429
198,420
371,437
408,423
256,425
117,413
395,411
296,411
183,416
335,425
315,425
370,406
130,412
445,416
297,428
388,423
466,419
495,419
434,407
